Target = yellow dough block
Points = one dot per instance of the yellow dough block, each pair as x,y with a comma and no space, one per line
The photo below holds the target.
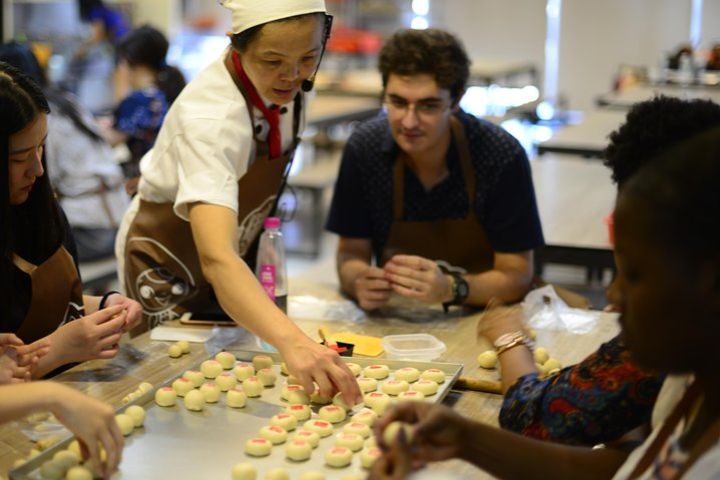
364,344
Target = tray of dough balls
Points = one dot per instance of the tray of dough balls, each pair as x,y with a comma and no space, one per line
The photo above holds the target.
240,415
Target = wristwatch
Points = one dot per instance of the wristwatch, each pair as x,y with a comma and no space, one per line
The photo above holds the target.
460,291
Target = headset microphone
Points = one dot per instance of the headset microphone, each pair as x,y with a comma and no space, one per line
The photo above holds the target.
309,83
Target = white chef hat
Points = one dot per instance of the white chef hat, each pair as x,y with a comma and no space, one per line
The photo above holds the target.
251,13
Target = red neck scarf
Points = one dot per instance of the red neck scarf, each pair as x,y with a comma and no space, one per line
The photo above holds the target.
272,114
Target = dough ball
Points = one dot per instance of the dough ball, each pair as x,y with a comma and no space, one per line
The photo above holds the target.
277,474
394,387
317,399
371,441
367,384
195,377
298,396
262,361
66,458
321,427
391,432
488,359
312,476
377,401
298,450
275,434
532,333
299,410
252,387
409,374
358,428
411,395
551,364
267,376
258,447
125,423
332,413
243,371
366,416
369,456
165,397
174,351
426,387
52,470
137,413
433,374
182,386
292,380
226,359
184,345
353,441
284,420
145,387
211,368
311,437
211,392
74,447
338,457
354,368
194,401
287,389
541,355
244,471
377,372
283,369
236,398
226,381
78,473
338,401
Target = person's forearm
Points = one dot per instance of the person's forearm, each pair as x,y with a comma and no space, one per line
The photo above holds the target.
349,267
507,286
510,455
50,361
514,363
244,300
17,401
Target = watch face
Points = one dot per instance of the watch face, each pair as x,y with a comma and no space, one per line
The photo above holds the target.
462,289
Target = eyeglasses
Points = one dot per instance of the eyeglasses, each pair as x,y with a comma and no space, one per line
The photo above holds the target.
423,108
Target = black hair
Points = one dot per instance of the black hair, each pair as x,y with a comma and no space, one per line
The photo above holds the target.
147,46
33,230
433,52
87,6
21,57
241,41
653,126
681,188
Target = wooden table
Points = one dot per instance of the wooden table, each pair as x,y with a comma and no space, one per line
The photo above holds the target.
146,360
630,96
574,196
588,138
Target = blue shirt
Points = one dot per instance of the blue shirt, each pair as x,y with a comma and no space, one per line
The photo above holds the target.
362,205
139,116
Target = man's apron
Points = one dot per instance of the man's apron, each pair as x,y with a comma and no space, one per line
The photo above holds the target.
56,295
162,267
462,244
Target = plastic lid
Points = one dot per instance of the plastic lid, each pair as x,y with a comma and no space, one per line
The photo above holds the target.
415,346
271,222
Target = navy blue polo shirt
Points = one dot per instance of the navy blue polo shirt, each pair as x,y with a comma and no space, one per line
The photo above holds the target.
362,205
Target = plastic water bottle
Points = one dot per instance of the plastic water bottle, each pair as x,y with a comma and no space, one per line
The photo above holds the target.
270,266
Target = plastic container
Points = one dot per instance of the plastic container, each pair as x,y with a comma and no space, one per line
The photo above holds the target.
270,267
414,346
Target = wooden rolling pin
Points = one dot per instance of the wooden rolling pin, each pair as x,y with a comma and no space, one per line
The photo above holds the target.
479,385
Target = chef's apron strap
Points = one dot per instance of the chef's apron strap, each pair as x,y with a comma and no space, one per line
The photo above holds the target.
23,264
465,160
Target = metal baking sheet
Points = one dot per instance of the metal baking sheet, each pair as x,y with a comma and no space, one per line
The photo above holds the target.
179,444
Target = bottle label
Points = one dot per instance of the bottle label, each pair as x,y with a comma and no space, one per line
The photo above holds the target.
267,279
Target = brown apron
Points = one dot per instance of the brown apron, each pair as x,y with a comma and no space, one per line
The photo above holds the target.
162,267
458,244
56,295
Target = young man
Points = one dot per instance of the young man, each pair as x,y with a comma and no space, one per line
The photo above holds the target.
440,201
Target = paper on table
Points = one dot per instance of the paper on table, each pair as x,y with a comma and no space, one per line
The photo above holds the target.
173,334
544,309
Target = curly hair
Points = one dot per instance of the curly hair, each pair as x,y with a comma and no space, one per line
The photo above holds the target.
653,126
434,52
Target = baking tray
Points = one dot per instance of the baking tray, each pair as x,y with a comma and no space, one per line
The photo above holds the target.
179,444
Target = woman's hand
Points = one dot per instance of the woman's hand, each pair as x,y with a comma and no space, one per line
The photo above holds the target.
133,309
419,278
17,359
90,337
372,288
93,423
313,363
498,320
